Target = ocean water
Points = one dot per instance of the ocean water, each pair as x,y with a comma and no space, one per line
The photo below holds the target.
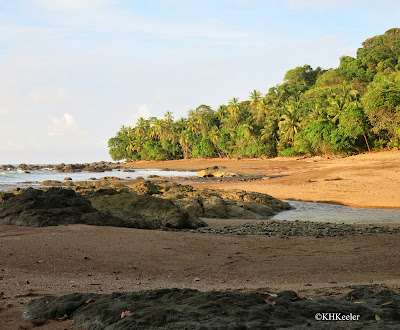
19,179
325,212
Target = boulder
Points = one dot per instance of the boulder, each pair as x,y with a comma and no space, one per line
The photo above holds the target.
55,183
215,207
210,173
8,167
55,206
225,203
144,211
101,207
145,188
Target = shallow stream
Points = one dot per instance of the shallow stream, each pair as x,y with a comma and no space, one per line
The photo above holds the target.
325,212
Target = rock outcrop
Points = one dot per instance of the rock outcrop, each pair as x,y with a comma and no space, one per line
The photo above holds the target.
144,211
100,206
141,204
55,206
212,203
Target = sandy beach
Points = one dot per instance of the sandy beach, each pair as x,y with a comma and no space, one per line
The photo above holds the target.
366,180
36,262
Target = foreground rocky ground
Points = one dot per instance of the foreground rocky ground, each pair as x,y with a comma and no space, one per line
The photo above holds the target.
192,309
57,260
287,229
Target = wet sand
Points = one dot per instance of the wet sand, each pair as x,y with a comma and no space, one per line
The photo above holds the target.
56,260
80,258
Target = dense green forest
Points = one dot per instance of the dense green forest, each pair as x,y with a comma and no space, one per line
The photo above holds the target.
347,110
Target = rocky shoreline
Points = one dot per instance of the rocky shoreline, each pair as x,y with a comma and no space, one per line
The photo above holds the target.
138,204
286,229
167,206
102,166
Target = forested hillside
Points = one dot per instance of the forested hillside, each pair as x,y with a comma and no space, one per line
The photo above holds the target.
350,109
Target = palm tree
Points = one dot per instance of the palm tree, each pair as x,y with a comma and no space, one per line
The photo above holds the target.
248,132
339,100
255,96
184,141
234,106
290,123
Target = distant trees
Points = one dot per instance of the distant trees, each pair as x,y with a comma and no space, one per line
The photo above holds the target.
352,108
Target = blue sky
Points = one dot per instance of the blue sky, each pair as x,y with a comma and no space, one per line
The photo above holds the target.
73,71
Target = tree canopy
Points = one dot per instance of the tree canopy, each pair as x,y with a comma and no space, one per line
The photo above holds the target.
350,109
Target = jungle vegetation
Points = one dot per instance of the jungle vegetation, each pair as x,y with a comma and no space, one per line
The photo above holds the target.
347,110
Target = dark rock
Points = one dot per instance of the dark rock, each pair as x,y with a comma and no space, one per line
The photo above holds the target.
144,211
215,207
298,228
216,174
8,167
68,179
192,309
55,206
69,169
145,188
225,203
55,183
5,196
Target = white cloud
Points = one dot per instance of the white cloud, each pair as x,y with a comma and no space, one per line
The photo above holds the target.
60,126
142,111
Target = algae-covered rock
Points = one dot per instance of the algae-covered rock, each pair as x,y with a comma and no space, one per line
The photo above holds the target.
215,207
55,183
134,205
226,203
144,211
55,206
101,207
145,188
194,207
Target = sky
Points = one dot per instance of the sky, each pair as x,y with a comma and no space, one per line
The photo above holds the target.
72,72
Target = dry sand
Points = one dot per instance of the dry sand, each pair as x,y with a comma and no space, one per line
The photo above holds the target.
367,180
78,258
